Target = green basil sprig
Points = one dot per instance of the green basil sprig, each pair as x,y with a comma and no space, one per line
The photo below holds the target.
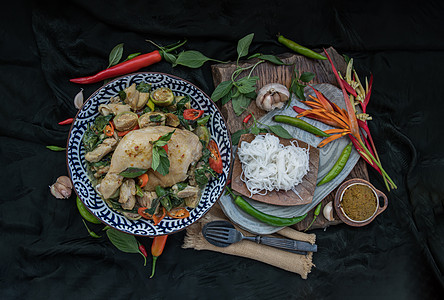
115,55
160,161
298,83
132,172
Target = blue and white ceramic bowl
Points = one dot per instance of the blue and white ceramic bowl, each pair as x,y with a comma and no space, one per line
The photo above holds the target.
77,164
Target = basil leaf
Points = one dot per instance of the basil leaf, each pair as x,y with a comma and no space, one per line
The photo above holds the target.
235,137
244,44
55,148
280,131
255,130
191,59
200,177
164,164
247,84
156,158
225,99
169,57
271,58
101,121
306,76
144,87
221,90
132,172
240,104
122,95
123,241
300,92
167,137
131,56
115,55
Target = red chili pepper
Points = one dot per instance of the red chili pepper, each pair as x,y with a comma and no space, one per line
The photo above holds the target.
142,250
125,67
192,114
247,118
157,249
123,133
128,66
109,129
215,161
165,147
67,121
178,213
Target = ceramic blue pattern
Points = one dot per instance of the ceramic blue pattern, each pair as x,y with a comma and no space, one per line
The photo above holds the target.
77,163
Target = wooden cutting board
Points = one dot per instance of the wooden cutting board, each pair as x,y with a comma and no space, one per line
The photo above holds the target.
270,73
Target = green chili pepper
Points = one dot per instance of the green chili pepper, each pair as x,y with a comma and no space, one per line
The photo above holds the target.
269,219
84,212
315,215
338,166
203,121
299,49
300,124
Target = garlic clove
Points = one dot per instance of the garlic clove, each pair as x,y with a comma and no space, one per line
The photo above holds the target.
78,99
328,211
62,188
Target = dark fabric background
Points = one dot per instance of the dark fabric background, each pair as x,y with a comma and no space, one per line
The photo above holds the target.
45,251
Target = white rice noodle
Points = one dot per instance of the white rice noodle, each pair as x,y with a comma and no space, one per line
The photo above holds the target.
268,165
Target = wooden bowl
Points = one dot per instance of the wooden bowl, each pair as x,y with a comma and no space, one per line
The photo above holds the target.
338,200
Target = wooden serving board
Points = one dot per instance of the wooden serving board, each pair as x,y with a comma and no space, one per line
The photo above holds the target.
305,189
270,73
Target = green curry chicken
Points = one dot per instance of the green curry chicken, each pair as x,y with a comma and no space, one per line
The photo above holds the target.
148,154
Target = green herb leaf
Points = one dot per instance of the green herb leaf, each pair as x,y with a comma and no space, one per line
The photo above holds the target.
254,55
144,87
346,58
101,121
122,95
235,137
132,55
271,58
132,172
255,130
191,59
164,163
240,104
280,131
156,158
299,91
123,241
221,90
243,45
306,77
115,55
55,148
169,57
247,84
167,137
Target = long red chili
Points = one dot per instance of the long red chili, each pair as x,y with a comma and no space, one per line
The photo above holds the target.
125,67
157,249
67,121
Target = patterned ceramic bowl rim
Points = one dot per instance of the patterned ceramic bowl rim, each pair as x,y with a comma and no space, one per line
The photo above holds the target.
77,166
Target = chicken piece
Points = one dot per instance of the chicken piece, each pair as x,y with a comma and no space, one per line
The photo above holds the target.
103,149
100,171
132,96
189,191
128,194
113,108
147,199
135,150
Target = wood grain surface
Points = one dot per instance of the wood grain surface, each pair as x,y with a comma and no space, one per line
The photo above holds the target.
270,73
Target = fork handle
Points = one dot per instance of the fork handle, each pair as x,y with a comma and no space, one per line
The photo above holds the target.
286,244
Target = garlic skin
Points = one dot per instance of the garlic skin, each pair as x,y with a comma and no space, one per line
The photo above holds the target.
78,99
62,188
328,211
272,96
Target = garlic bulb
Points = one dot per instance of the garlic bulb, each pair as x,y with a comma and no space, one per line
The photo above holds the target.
272,96
328,211
61,189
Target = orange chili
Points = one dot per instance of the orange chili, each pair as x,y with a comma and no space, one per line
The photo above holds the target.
109,129
192,114
156,250
143,180
123,133
157,218
178,213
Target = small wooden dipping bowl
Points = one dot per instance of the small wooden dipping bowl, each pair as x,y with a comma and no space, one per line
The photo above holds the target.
339,197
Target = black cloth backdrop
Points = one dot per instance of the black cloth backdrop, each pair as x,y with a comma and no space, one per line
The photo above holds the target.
45,250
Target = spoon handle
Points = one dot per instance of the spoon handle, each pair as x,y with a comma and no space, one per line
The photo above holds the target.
286,244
